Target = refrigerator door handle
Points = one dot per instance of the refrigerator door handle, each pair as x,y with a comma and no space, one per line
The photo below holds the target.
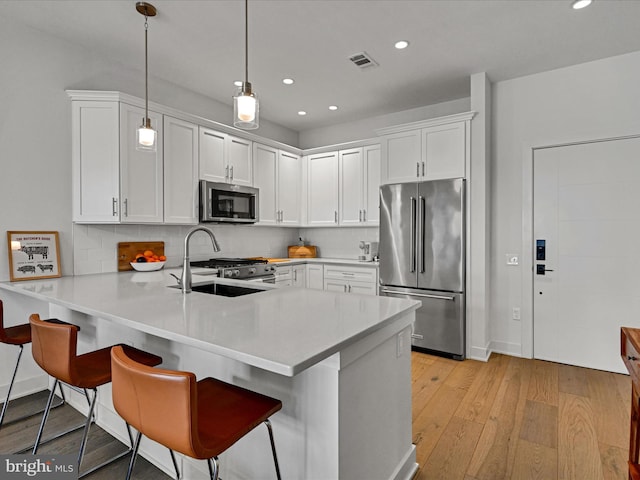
421,208
425,295
413,234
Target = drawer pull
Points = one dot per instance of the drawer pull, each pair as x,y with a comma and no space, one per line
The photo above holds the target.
632,358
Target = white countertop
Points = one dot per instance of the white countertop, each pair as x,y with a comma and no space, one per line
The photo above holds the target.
283,330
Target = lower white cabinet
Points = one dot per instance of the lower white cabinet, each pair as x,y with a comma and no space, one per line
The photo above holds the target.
347,279
299,274
284,276
315,276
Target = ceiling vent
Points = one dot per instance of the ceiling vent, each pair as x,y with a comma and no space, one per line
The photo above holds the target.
363,60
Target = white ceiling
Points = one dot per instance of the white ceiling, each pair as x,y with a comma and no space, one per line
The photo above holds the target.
199,44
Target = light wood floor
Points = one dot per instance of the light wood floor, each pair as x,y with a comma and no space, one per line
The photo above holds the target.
513,418
509,418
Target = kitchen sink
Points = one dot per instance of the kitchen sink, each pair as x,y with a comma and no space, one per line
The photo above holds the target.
223,289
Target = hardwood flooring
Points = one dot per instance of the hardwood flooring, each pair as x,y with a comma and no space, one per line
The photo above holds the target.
19,435
509,418
520,419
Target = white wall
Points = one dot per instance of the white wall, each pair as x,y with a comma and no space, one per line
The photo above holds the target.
35,126
584,102
366,128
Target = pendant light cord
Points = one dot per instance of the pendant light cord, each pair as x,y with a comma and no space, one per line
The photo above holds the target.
246,41
146,74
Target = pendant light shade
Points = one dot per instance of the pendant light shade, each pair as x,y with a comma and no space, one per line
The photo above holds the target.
245,101
146,135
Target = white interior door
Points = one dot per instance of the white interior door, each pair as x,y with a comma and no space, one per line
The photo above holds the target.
586,201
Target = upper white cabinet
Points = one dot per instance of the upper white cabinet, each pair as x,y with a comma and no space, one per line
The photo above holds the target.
428,150
322,189
225,158
180,171
343,187
277,174
359,182
112,181
141,171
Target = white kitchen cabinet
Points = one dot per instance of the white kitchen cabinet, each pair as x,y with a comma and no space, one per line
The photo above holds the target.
180,172
225,158
113,182
277,176
359,182
429,150
299,275
315,276
348,279
322,189
284,275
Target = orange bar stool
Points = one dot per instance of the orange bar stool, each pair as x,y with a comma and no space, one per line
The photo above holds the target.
18,335
200,419
54,349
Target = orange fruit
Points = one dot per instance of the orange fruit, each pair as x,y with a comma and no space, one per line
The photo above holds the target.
162,258
139,255
148,253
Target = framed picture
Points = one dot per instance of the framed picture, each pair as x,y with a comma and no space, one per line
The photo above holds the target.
33,255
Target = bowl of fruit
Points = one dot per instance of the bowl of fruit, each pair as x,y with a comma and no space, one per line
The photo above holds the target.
148,261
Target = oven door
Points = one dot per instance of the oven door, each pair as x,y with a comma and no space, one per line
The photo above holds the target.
263,279
221,202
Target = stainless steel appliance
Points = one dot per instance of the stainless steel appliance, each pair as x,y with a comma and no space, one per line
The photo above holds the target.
223,202
422,257
240,268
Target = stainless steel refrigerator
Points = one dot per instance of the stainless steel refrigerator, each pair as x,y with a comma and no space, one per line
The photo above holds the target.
422,257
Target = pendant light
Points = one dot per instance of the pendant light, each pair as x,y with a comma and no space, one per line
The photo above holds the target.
245,102
145,135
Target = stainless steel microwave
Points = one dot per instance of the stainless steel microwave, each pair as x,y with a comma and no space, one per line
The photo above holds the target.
223,202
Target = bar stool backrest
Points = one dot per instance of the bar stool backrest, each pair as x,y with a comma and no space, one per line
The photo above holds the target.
3,335
161,404
54,348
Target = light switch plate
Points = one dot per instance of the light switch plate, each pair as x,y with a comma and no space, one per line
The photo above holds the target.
512,258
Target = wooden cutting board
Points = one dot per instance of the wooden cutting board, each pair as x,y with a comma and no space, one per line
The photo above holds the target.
127,252
298,251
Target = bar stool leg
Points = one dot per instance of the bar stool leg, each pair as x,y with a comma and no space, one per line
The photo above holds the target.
134,455
44,417
213,468
273,448
15,370
175,464
87,426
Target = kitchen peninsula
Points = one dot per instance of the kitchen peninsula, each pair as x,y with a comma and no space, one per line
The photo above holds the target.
340,364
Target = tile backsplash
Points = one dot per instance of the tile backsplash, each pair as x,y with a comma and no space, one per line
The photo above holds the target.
95,246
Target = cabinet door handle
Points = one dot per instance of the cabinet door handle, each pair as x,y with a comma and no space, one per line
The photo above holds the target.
114,206
282,215
632,358
232,173
126,207
335,216
423,169
417,169
348,274
226,172
360,215
349,288
364,215
345,289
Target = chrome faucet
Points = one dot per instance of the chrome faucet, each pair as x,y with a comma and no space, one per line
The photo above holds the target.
185,279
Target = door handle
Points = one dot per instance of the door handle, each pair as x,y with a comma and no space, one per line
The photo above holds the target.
540,270
413,235
418,169
126,207
232,173
364,215
360,215
423,295
421,208
226,172
114,206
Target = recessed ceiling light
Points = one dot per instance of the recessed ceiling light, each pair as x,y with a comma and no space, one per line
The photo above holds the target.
238,83
578,4
333,107
287,81
302,113
401,44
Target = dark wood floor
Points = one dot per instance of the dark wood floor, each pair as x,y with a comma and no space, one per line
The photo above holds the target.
17,436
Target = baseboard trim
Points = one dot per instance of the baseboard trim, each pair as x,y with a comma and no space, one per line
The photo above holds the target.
481,354
407,467
507,348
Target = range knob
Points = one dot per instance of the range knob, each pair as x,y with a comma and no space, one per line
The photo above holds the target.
252,271
236,273
228,273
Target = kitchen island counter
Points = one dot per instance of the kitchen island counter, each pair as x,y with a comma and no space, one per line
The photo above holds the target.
282,330
340,364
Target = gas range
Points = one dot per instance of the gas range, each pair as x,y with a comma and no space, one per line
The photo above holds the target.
240,268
